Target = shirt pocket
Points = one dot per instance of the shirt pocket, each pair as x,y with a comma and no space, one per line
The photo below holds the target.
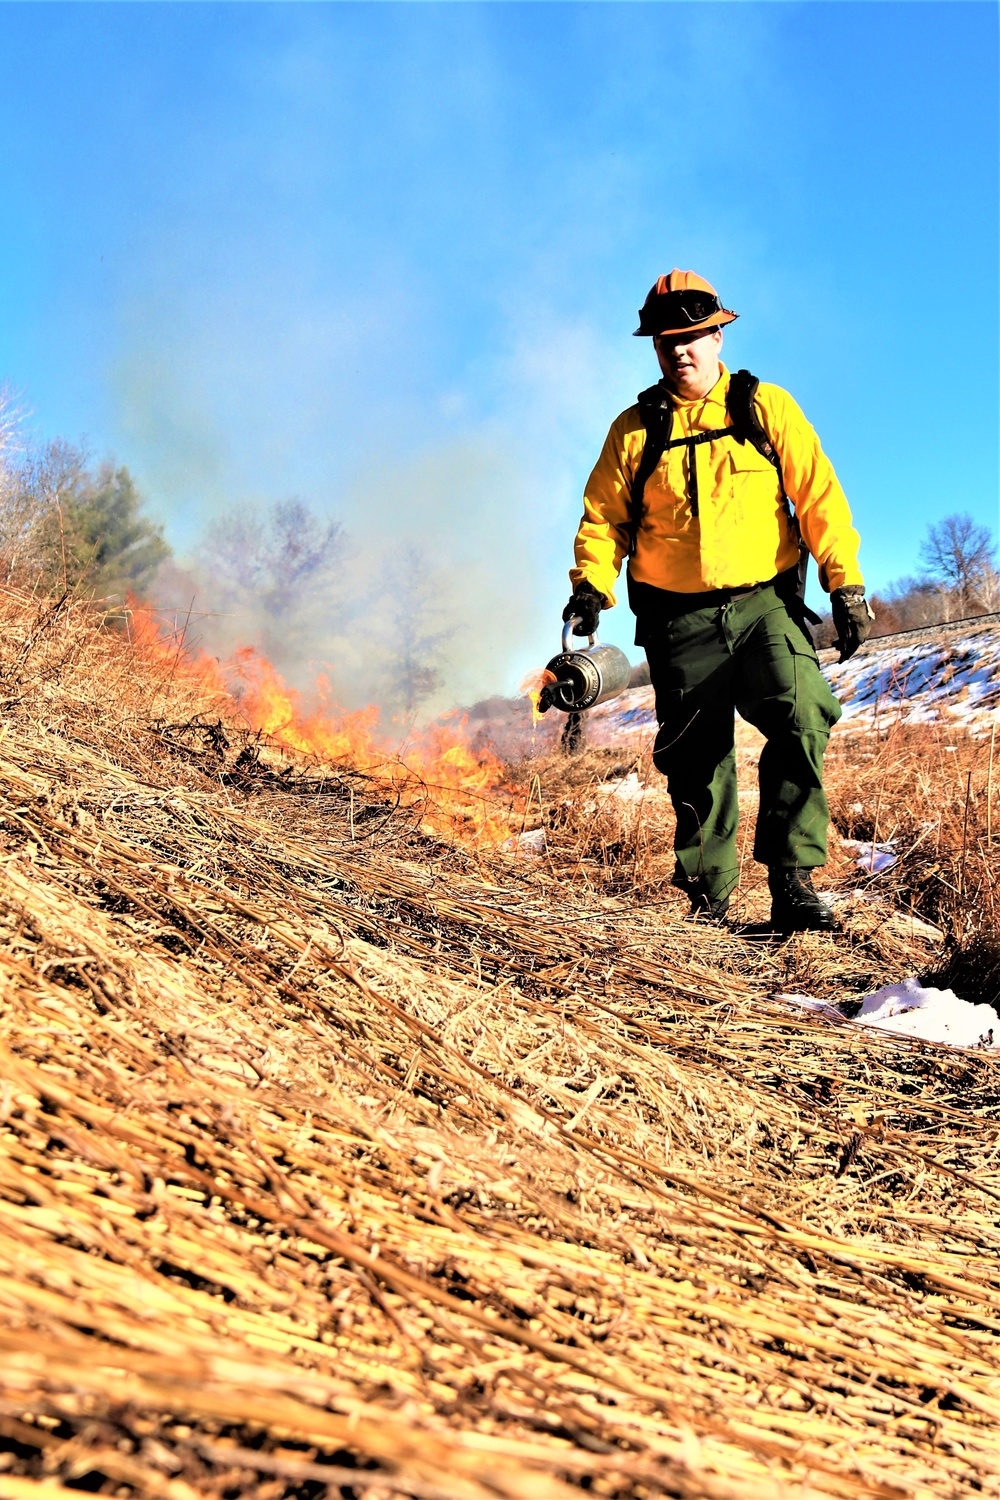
666,507
753,483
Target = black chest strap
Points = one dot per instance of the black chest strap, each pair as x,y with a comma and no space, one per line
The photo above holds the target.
656,413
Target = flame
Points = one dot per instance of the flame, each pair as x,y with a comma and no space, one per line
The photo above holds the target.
460,792
532,686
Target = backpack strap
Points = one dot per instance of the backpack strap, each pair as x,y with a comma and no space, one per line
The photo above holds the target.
692,443
656,413
747,427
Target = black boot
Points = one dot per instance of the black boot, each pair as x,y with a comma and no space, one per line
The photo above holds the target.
706,908
795,906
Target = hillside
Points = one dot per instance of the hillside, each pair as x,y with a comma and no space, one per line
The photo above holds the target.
347,1149
947,674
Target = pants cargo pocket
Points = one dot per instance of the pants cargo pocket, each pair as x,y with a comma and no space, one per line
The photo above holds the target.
675,720
781,688
815,704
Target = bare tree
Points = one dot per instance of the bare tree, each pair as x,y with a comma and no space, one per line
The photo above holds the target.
15,518
988,591
278,574
12,417
276,555
415,633
958,557
920,601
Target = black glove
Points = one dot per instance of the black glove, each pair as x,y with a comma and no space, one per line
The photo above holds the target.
852,617
586,604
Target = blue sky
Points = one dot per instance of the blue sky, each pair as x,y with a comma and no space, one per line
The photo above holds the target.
388,258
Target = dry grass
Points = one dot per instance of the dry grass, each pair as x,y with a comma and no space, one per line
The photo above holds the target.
339,1159
922,788
926,788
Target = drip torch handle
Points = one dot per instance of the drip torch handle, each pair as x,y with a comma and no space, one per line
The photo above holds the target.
567,643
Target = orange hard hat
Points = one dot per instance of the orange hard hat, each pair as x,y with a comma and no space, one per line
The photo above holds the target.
681,303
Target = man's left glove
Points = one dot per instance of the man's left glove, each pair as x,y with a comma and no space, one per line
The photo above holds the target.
852,617
586,604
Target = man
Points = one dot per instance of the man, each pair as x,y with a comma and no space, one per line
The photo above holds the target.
713,486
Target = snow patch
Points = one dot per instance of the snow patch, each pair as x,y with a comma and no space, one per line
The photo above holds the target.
909,1009
933,1015
819,1007
629,789
872,858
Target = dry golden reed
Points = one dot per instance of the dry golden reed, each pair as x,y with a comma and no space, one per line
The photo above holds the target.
341,1159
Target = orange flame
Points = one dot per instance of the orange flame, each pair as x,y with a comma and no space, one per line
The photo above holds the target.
532,686
460,792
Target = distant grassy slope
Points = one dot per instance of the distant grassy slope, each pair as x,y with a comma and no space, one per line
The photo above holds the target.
337,1157
948,673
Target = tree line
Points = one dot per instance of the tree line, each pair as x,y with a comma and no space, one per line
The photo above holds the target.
67,523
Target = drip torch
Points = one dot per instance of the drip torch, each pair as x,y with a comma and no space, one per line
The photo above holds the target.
578,679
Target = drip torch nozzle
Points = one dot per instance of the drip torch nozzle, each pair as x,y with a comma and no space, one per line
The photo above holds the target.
556,695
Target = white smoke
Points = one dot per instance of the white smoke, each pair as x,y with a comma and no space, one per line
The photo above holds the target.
367,306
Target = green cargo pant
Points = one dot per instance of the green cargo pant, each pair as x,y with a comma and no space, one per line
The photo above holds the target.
750,656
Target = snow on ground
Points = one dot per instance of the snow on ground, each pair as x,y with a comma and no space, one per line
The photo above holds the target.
872,858
935,1015
627,719
908,1009
953,674
629,789
531,843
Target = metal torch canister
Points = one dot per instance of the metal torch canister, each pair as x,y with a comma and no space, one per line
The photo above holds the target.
585,677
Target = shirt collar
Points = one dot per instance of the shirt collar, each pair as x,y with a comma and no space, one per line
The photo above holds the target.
716,394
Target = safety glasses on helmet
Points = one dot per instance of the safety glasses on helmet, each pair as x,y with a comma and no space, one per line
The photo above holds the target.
693,306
